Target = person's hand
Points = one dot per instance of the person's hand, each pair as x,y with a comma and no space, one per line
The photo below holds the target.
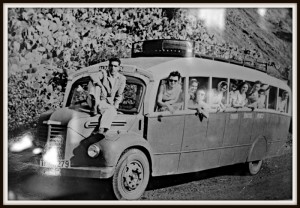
171,109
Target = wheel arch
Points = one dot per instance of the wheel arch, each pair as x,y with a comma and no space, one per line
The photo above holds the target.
258,149
114,150
144,150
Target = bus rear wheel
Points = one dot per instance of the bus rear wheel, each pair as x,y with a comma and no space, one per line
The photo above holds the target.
131,176
254,166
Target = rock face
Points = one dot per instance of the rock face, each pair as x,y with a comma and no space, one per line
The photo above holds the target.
268,31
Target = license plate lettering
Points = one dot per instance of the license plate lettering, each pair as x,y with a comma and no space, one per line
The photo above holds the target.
60,164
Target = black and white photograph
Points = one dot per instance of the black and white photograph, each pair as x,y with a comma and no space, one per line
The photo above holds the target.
171,104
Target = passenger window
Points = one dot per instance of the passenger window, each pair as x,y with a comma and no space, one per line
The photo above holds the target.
272,98
131,97
198,88
283,101
218,93
79,92
233,86
170,95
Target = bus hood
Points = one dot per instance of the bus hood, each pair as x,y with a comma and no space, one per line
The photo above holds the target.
64,115
81,122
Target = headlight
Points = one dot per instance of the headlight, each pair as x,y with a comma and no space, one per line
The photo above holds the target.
93,150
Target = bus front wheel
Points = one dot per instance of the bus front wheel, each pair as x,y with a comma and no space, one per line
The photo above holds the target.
254,167
131,176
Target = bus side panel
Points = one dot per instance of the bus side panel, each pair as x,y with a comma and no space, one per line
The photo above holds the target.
259,123
196,161
277,132
215,130
231,129
241,154
246,121
283,129
275,148
271,122
165,164
194,133
227,156
164,134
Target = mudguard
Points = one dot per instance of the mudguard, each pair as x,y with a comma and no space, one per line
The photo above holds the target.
258,149
113,149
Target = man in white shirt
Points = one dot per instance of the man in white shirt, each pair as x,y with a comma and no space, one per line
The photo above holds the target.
106,88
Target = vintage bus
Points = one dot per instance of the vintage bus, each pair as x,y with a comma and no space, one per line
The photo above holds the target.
144,142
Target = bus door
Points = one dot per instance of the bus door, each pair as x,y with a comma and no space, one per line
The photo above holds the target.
164,133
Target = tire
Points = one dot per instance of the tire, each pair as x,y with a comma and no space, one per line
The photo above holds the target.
254,167
131,176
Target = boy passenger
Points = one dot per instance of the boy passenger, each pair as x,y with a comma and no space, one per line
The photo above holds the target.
169,93
199,104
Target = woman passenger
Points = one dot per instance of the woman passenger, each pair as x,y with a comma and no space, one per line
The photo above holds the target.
238,98
282,104
169,93
216,96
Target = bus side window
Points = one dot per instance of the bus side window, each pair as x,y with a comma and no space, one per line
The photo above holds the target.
272,98
169,95
233,85
197,84
283,101
218,93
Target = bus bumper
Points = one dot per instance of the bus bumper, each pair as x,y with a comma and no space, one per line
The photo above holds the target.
80,172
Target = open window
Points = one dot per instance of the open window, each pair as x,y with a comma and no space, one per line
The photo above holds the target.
79,93
272,98
132,96
283,101
198,90
219,91
169,94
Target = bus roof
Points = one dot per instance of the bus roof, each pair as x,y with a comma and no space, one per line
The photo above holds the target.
160,67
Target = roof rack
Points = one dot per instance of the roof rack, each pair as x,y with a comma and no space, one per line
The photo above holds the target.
163,47
257,65
185,48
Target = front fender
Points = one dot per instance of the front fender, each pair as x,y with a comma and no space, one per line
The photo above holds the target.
112,149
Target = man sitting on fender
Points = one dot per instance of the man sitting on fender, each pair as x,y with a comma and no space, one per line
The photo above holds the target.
106,92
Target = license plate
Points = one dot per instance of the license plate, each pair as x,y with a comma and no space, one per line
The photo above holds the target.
60,164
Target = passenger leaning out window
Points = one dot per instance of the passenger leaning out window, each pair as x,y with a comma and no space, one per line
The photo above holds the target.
217,95
282,103
199,103
193,86
260,102
169,92
238,98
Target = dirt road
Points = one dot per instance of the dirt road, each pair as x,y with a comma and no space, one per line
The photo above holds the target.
273,182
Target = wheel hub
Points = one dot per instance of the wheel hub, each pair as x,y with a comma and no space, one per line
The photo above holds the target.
133,175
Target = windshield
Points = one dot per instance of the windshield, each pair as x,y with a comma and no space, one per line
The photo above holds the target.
130,104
